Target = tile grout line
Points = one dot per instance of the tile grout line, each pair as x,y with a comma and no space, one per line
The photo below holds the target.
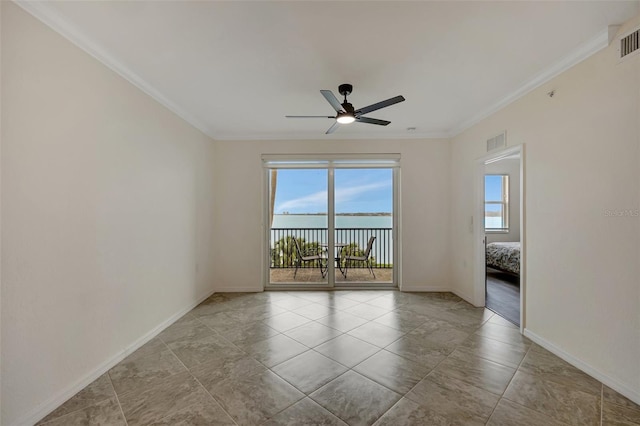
337,377
217,334
313,349
267,367
635,407
431,370
202,386
290,405
445,358
496,340
384,349
347,367
509,384
126,422
380,384
391,408
484,357
39,423
601,403
517,403
83,408
107,373
191,374
383,385
130,391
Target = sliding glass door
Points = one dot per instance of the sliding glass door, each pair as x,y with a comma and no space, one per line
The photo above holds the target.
298,218
363,200
331,222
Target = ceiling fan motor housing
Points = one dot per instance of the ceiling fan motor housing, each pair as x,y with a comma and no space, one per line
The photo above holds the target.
345,89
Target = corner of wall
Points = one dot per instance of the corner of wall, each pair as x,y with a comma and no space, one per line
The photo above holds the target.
56,400
606,379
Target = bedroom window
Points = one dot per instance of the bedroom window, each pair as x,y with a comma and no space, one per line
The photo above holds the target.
496,203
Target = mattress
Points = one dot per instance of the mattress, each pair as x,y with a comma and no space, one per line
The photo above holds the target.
504,256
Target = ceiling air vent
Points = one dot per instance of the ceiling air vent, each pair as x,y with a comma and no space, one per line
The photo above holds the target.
497,142
630,43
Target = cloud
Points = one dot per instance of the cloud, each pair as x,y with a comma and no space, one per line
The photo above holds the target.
318,200
349,193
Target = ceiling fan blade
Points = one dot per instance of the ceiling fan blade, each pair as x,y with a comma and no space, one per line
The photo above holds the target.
308,116
333,128
372,121
379,105
331,98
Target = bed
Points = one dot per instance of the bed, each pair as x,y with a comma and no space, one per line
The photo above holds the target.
504,256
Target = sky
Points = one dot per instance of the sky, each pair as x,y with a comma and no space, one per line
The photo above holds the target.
493,192
493,188
356,191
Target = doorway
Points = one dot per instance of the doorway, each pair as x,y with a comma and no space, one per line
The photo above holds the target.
499,267
331,222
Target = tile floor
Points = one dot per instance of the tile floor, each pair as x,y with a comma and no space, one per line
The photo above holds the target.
336,358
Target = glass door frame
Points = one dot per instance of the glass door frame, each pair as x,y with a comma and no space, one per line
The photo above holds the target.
330,162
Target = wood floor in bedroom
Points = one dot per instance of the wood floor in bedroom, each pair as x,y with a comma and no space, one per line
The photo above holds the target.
503,295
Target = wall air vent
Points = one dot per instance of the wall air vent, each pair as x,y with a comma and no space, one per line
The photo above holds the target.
497,142
630,44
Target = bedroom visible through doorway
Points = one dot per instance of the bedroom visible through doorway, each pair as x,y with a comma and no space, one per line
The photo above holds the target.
500,260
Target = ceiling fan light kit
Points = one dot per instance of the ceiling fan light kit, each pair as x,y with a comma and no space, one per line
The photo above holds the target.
346,113
345,118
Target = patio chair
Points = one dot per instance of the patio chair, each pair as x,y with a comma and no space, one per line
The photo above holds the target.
310,255
366,258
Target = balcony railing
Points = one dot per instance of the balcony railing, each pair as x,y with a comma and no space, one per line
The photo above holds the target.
348,241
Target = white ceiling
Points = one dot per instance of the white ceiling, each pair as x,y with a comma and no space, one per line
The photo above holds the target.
235,69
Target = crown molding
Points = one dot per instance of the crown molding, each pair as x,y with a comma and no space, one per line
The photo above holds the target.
333,136
578,55
49,17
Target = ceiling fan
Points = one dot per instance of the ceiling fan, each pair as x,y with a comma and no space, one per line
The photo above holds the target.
346,113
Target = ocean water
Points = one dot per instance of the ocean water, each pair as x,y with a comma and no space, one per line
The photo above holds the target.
492,222
317,221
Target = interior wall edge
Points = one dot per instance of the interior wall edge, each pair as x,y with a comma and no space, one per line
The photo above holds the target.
583,366
55,401
466,297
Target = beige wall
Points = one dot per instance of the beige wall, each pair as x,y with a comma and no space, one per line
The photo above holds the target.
107,206
582,158
424,207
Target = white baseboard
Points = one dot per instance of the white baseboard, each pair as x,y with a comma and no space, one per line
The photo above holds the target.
592,371
52,403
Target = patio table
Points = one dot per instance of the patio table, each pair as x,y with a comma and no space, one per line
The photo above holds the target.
338,257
